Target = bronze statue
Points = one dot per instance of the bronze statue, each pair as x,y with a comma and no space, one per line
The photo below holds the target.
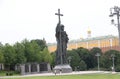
62,40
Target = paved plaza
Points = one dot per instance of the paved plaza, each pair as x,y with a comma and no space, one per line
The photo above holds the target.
52,74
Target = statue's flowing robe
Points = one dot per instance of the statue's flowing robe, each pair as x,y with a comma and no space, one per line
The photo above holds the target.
62,40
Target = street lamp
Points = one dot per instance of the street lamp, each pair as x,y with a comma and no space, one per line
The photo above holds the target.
115,11
98,55
113,58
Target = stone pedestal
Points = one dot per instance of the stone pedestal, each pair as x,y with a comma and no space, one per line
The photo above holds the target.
38,68
22,66
1,66
65,68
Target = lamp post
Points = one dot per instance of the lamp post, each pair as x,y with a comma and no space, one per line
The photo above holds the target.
98,55
113,58
116,11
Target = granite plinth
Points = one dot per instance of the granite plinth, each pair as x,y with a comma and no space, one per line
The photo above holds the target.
65,68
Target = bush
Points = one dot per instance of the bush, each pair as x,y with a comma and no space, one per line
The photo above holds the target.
9,73
117,68
82,65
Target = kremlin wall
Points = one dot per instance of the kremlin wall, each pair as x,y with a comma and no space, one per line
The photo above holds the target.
103,42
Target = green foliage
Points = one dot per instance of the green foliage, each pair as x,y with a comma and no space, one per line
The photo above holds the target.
75,59
83,53
1,54
86,56
46,56
93,52
82,66
20,54
108,59
10,73
9,54
1,57
41,43
37,51
104,60
32,51
24,52
117,68
53,54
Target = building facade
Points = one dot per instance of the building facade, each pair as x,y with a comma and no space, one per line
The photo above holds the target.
103,42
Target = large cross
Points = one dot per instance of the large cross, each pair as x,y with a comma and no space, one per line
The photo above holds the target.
59,15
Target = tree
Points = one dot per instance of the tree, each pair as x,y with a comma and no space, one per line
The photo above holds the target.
108,59
75,59
20,53
32,51
82,65
42,43
28,54
93,52
46,56
1,57
105,59
85,55
53,54
1,54
9,56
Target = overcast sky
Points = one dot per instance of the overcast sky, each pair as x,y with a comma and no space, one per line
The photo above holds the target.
35,19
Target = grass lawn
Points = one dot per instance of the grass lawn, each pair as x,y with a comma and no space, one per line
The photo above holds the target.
88,76
3,73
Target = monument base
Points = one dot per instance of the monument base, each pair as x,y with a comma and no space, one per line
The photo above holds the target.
65,68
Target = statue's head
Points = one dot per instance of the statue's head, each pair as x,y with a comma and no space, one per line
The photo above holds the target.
62,27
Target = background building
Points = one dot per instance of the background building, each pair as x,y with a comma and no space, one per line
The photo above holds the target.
103,42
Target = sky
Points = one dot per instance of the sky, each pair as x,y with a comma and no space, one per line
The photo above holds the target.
36,19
